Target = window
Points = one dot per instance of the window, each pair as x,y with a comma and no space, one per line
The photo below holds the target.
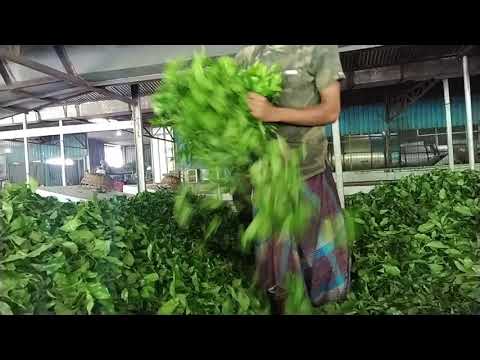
114,156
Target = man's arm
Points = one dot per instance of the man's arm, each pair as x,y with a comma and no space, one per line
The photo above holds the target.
328,71
325,113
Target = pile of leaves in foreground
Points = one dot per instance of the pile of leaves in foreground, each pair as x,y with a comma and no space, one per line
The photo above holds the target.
113,257
205,103
419,247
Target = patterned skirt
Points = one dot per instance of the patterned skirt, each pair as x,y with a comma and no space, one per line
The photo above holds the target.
320,257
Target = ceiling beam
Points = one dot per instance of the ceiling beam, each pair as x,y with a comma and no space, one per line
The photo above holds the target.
75,80
65,59
69,129
347,48
18,110
9,80
49,97
129,80
8,110
29,83
5,73
58,101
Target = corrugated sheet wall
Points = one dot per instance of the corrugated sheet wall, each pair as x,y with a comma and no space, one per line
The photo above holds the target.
37,152
48,175
430,113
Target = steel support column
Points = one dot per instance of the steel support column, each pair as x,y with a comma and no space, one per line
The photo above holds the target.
468,107
165,150
448,118
62,155
337,151
138,133
156,158
25,149
388,151
88,154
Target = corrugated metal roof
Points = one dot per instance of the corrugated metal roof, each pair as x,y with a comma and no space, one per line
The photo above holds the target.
5,114
52,90
146,88
395,54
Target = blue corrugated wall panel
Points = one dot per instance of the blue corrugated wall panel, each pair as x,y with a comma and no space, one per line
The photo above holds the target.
430,113
424,114
361,120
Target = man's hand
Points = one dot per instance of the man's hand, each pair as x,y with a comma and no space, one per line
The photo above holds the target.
261,108
327,112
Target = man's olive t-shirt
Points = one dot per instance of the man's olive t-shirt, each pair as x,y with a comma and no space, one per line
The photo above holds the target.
307,70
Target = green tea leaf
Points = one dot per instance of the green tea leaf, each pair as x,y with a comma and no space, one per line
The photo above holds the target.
82,236
436,268
149,253
7,210
150,278
71,225
129,259
98,291
168,308
442,194
124,295
70,246
422,237
90,303
5,309
392,270
437,245
426,228
463,210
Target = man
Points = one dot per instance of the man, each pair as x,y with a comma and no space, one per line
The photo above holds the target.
309,101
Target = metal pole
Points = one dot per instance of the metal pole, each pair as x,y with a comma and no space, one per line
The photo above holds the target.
478,139
165,150
174,151
468,106
88,153
138,131
387,149
156,161
448,117
62,155
25,149
337,152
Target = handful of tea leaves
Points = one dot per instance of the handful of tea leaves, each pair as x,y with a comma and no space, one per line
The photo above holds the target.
205,103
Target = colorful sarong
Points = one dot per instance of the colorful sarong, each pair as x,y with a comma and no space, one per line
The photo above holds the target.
321,257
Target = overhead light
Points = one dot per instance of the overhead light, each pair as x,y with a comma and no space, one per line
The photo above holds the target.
119,133
8,151
36,161
58,161
149,168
